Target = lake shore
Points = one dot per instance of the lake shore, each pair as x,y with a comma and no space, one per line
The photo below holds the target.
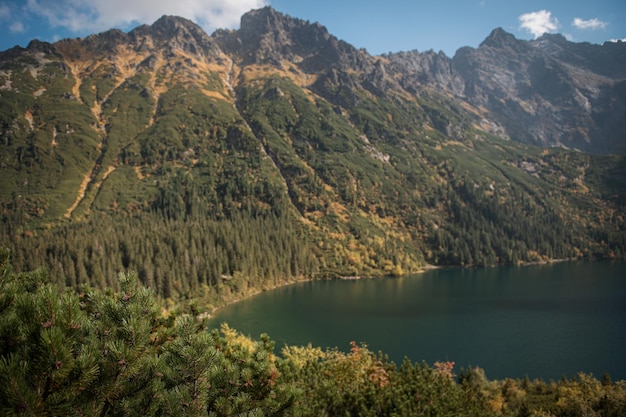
284,283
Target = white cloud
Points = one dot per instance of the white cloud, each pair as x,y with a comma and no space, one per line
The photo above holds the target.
589,24
4,11
16,27
538,22
98,15
617,40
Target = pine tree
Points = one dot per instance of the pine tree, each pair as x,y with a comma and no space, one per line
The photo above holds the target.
111,354
43,367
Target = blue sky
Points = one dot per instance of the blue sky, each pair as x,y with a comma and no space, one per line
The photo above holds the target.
378,26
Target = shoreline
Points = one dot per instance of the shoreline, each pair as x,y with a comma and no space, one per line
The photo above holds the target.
241,297
427,267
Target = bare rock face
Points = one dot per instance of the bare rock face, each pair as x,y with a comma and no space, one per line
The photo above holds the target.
269,37
429,68
171,32
549,92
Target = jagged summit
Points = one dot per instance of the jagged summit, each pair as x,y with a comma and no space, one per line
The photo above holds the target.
268,36
268,20
170,28
176,32
264,20
169,25
556,38
501,39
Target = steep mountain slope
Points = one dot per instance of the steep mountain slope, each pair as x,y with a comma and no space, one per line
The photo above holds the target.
547,92
221,164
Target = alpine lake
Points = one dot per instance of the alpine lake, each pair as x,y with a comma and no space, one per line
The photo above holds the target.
540,321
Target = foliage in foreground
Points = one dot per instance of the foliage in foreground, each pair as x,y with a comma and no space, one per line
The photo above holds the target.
109,354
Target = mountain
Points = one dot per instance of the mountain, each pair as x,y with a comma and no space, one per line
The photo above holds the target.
223,164
547,92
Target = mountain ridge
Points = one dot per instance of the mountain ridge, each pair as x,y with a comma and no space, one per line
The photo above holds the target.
280,132
586,113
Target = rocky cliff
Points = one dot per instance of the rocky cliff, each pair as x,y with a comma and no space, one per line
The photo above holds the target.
549,92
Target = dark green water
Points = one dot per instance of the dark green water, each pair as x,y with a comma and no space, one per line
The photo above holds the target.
544,321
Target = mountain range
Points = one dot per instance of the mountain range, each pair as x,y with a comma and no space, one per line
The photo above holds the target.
225,163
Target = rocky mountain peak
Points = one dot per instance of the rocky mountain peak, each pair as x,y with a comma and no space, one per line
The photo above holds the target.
34,46
105,42
500,39
557,45
264,20
285,30
39,46
177,33
170,25
607,59
267,36
553,37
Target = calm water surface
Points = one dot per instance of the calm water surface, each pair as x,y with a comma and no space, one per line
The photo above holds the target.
544,321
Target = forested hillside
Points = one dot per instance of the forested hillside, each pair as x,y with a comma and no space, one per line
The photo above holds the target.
215,166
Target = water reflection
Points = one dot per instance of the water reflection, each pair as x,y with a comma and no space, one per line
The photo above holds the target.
544,321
